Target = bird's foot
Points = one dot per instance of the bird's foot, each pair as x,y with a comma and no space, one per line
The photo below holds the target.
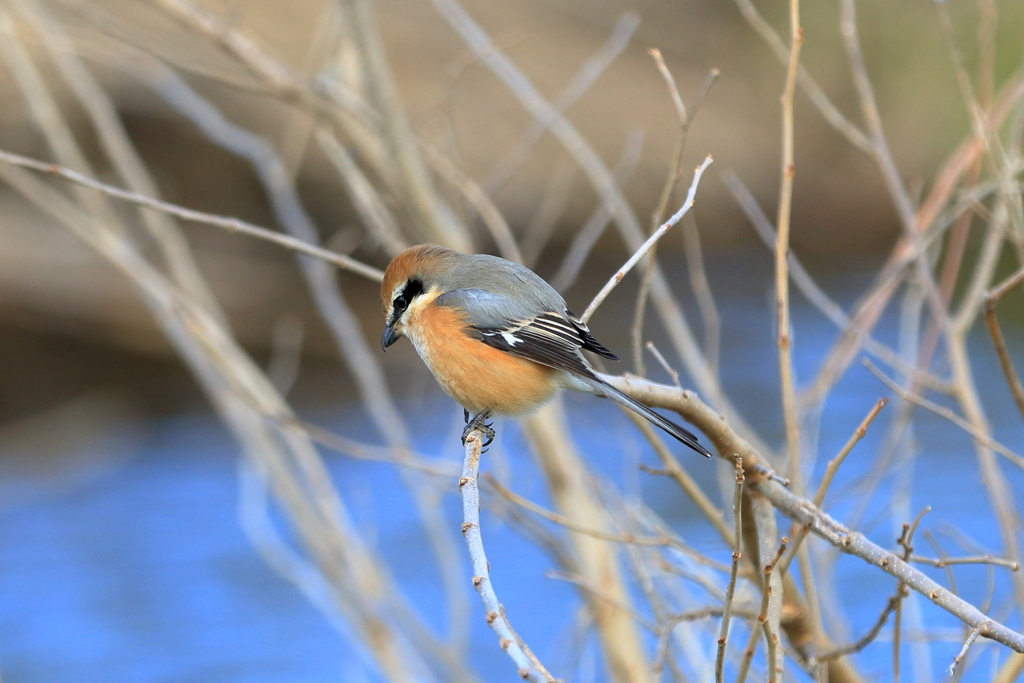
479,421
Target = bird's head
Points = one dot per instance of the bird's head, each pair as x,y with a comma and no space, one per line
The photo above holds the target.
412,279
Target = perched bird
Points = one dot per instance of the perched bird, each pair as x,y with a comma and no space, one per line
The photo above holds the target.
497,337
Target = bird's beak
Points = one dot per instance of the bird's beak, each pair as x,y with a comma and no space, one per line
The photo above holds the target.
390,336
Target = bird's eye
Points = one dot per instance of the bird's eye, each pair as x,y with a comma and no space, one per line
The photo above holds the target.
401,304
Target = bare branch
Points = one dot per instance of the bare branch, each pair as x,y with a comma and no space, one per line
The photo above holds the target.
999,342
976,559
596,65
868,637
979,436
737,553
229,224
646,246
529,666
973,636
802,511
830,473
561,520
771,638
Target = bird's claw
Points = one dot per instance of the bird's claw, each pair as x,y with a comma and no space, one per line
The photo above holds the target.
479,421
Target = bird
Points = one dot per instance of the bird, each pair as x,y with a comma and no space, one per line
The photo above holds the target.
497,337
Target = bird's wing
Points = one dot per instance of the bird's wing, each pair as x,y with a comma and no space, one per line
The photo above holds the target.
550,338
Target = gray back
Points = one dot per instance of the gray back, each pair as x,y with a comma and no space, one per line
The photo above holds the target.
493,291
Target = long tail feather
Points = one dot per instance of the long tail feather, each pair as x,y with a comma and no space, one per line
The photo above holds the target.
677,432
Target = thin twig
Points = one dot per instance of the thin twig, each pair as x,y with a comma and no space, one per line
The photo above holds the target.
651,241
905,541
975,632
1005,362
737,553
980,437
672,372
475,195
229,224
802,511
974,559
697,271
561,520
685,120
771,639
681,477
868,637
361,451
529,667
789,407
814,92
616,42
604,596
830,473
835,463
599,218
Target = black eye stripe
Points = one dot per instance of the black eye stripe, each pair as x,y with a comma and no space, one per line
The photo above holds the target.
412,289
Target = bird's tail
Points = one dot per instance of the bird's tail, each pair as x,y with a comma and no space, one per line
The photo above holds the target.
677,432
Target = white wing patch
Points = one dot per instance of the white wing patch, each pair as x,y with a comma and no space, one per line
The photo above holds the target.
511,339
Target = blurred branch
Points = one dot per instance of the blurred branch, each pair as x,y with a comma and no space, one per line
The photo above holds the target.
587,236
287,83
702,292
568,481
119,148
383,125
613,46
685,120
1005,362
262,422
561,520
818,297
379,221
830,473
868,637
229,224
814,92
475,195
334,310
361,451
979,436
430,215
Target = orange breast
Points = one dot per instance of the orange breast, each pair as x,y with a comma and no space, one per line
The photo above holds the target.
479,377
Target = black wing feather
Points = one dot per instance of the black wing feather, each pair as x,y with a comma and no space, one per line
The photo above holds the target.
589,343
555,340
549,339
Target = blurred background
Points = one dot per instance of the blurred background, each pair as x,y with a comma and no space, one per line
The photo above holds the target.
136,544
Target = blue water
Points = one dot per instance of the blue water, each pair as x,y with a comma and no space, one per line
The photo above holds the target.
137,569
